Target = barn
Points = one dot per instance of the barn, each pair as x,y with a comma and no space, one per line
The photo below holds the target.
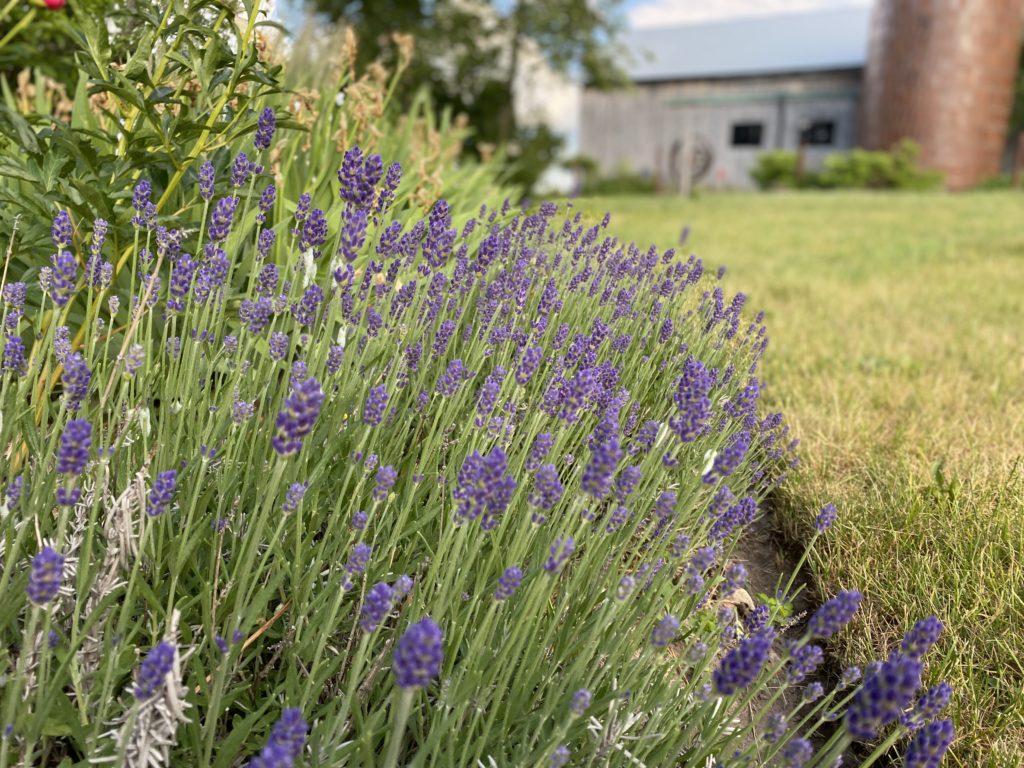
719,94
710,98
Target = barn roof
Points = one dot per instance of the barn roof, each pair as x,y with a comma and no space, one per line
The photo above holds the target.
836,38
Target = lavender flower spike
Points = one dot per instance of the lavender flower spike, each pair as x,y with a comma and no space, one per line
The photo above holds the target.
45,577
298,415
418,654
154,670
286,742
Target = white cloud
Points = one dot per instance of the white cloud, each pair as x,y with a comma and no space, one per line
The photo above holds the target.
658,13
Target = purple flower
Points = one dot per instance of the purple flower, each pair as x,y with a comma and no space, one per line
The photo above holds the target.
664,631
743,664
298,416
359,520
531,360
45,576
386,477
206,180
691,398
335,356
580,702
418,654
403,586
286,742
539,450
547,488
154,670
850,676
560,757
930,705
314,232
14,491
775,727
61,278
484,489
489,391
73,452
834,614
730,458
437,245
267,281
76,379
804,661
278,346
241,169
626,482
605,454
508,583
266,203
387,193
14,356
134,358
796,753
182,272
358,559
353,235
826,518
256,314
561,551
61,230
928,746
921,637
304,311
162,493
221,218
735,578
376,404
442,338
212,272
883,696
293,497
376,606
266,241
265,125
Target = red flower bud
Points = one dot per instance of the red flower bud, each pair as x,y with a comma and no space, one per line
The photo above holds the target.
55,5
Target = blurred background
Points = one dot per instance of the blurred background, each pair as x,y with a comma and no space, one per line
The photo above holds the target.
664,95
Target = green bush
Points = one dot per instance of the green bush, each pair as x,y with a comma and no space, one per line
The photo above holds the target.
776,170
857,169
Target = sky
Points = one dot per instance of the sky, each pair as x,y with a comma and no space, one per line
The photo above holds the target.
656,13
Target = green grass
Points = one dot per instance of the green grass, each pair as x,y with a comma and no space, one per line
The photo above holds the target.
897,354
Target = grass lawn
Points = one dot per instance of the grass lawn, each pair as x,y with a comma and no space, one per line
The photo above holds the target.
897,353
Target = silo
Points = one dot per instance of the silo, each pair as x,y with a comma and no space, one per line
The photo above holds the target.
942,72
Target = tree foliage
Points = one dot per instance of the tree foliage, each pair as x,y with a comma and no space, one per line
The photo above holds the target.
469,53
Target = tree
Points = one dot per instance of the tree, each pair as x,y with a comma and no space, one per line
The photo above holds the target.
469,53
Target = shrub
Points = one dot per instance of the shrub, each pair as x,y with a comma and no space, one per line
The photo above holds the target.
776,169
463,487
856,169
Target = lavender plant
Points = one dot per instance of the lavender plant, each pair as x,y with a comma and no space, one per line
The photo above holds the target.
456,491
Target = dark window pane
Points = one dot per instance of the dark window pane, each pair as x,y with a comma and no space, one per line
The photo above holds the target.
747,134
820,132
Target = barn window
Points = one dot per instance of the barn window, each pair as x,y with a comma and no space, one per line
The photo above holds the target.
820,132
747,134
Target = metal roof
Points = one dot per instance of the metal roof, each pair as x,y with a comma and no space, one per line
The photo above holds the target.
794,42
